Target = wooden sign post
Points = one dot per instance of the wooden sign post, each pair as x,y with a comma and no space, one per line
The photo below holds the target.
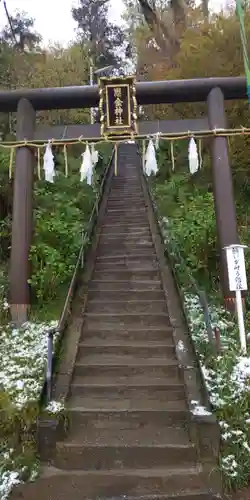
237,283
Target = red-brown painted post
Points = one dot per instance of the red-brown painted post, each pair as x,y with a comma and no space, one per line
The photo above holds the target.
224,204
22,218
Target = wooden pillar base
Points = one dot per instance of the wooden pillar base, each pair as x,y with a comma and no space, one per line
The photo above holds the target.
19,314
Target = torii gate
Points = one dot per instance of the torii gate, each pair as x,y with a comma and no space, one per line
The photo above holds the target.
26,102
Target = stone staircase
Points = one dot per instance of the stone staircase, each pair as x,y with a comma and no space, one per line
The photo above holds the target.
130,433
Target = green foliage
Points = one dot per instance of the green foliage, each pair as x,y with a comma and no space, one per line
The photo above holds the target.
97,32
62,211
192,220
21,33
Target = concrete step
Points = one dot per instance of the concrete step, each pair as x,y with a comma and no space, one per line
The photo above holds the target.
128,232
115,217
128,418
108,249
114,334
124,367
127,274
132,211
128,433
125,285
145,484
138,218
147,264
120,320
90,403
128,391
131,306
145,349
77,455
135,238
145,255
117,228
120,197
125,204
125,295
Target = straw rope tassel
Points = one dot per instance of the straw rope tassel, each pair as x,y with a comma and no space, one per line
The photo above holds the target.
116,160
66,160
172,155
39,163
143,153
12,152
200,152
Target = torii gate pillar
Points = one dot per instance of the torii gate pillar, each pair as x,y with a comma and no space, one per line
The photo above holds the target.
224,204
22,218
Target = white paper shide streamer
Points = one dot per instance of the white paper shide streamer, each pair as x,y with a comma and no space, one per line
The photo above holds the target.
150,159
157,141
193,157
48,164
94,155
86,169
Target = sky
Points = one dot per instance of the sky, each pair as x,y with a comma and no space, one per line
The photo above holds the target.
53,17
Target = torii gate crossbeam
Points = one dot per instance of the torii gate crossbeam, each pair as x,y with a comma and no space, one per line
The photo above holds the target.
26,102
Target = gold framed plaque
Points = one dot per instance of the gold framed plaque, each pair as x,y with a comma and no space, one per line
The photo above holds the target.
118,106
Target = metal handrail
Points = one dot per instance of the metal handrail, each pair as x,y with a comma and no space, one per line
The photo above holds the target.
180,291
201,293
79,263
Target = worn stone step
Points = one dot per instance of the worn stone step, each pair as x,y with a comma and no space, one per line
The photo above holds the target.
138,391
128,418
124,248
125,239
133,320
112,217
178,483
117,334
127,261
125,232
78,455
129,433
131,210
125,294
131,306
125,216
118,195
147,264
127,274
119,227
90,403
125,204
106,366
128,197
146,255
127,236
126,285
144,349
